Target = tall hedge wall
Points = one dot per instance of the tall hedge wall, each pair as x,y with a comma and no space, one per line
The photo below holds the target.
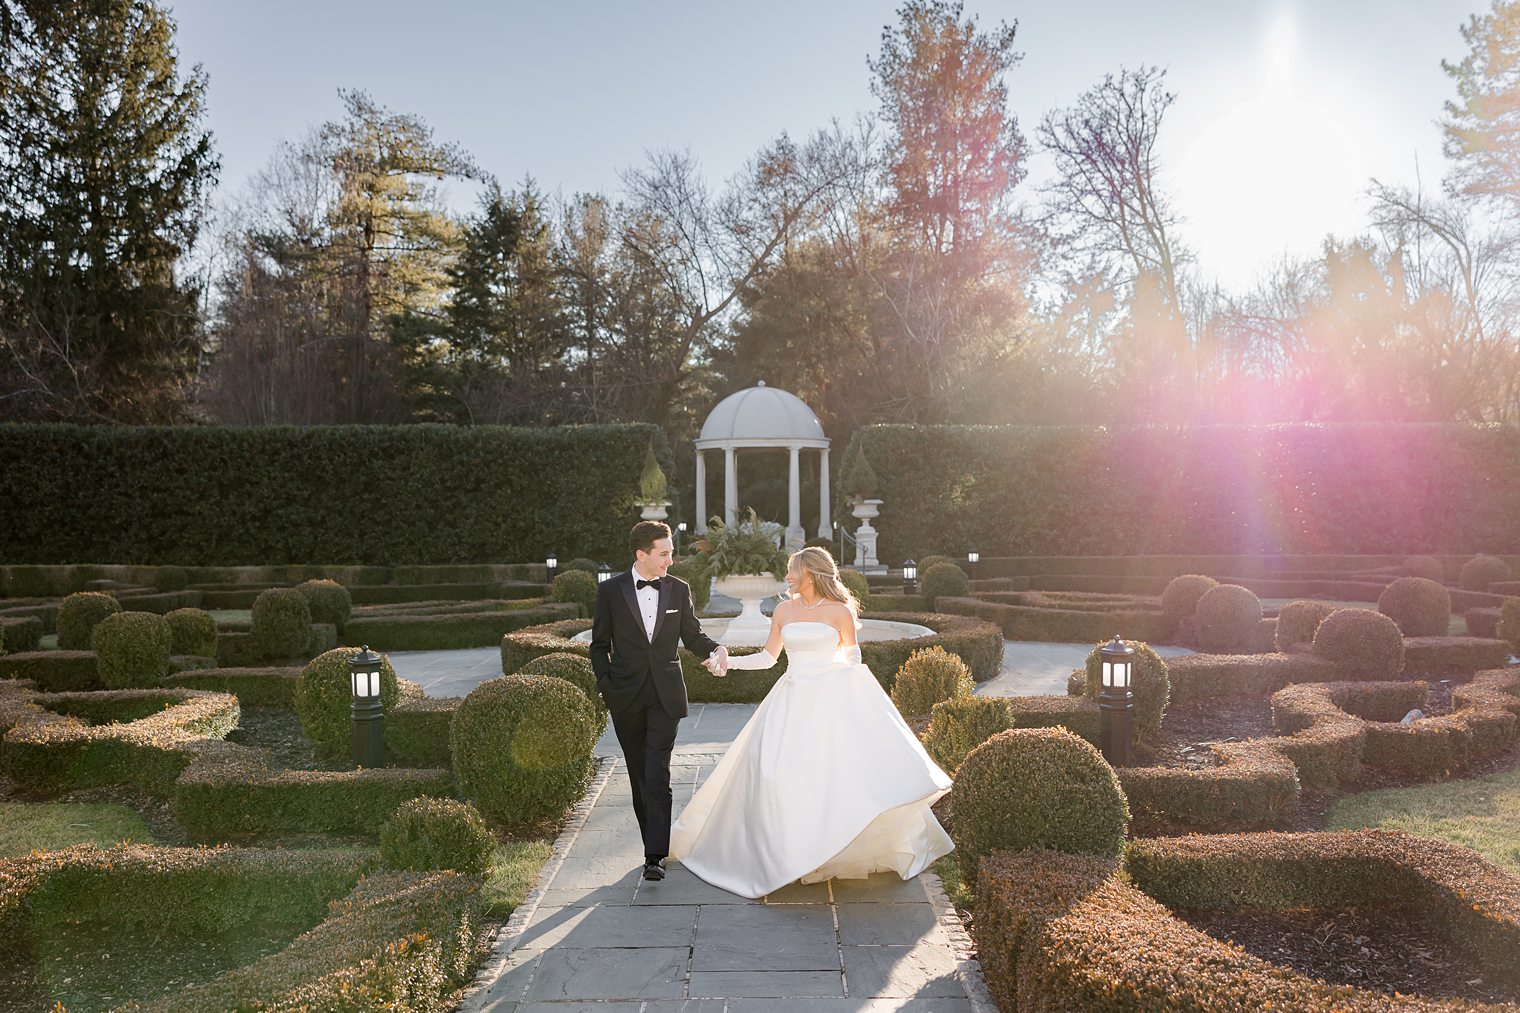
1069,490
381,495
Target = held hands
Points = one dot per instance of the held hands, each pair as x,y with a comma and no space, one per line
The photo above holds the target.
717,662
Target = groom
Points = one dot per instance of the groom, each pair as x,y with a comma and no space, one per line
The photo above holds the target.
641,618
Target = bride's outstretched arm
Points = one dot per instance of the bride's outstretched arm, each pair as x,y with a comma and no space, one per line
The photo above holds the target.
848,643
766,656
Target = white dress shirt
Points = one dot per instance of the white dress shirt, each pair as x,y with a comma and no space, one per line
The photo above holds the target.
649,603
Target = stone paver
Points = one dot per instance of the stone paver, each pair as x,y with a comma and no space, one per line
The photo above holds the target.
594,935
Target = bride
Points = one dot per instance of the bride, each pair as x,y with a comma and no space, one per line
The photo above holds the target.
826,779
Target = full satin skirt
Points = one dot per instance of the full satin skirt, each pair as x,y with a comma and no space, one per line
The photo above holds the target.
826,780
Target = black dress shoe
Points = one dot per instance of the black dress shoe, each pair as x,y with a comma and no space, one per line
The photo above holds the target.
654,869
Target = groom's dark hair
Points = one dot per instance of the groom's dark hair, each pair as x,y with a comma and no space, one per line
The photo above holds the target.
645,534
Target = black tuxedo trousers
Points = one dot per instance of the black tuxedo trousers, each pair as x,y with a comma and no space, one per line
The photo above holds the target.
639,677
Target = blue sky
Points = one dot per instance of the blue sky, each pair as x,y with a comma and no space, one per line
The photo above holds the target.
1284,109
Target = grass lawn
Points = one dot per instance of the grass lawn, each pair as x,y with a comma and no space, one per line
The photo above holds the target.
48,826
1482,813
514,868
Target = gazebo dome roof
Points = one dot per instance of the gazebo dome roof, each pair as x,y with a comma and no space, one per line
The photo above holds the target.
762,413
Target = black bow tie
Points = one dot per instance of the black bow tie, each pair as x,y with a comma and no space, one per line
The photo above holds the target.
639,585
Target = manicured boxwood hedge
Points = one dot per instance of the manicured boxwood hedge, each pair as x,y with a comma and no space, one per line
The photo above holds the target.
24,633
1252,786
1060,622
394,940
1204,676
193,495
254,687
1348,488
54,670
142,736
417,731
1064,932
448,632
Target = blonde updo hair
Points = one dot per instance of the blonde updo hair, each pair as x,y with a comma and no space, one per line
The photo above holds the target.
815,559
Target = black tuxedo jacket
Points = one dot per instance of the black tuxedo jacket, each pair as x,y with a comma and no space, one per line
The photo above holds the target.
623,656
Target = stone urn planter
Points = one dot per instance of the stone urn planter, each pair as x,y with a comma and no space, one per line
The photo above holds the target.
865,535
654,511
751,626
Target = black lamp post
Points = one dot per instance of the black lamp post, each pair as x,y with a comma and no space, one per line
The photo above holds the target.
972,558
366,711
551,565
680,530
910,577
603,572
1116,704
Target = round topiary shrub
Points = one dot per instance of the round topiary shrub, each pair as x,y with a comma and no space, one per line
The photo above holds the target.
1364,644
328,601
78,614
170,578
522,747
437,833
1228,619
1428,567
1481,571
581,564
694,571
1032,788
930,676
1148,680
1297,621
929,562
193,632
132,649
944,580
324,696
281,622
1180,599
856,581
1420,607
576,586
573,669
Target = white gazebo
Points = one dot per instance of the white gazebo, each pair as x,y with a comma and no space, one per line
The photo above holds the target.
762,416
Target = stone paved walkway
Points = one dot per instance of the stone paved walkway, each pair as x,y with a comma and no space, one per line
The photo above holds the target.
594,935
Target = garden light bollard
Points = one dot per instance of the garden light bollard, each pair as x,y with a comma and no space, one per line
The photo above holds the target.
603,572
910,577
366,710
972,558
1116,705
551,565
680,530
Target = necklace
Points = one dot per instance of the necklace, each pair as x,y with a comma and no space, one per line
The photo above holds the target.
815,604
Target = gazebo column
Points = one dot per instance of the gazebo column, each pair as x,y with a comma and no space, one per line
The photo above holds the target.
825,522
730,486
795,535
701,524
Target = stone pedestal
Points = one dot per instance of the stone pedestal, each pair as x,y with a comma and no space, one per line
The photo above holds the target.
865,537
751,626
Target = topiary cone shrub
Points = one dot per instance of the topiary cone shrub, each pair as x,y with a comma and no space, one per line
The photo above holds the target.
928,677
132,649
1148,680
1364,644
437,833
1227,617
1030,788
522,748
281,622
77,616
324,696
1420,607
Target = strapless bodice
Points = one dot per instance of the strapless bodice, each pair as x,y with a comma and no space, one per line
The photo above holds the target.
810,643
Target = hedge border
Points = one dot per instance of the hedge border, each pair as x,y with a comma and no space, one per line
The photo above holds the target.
1047,923
380,936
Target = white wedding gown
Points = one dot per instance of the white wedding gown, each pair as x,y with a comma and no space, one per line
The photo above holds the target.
825,780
